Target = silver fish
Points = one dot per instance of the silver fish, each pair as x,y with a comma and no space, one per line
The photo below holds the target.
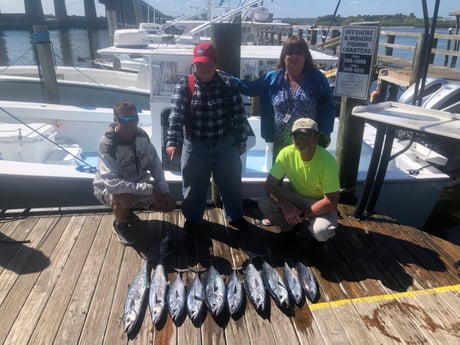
136,301
195,298
308,282
275,285
157,295
214,290
176,297
235,293
292,281
254,287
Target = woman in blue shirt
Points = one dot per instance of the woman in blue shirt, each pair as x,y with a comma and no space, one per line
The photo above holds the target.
295,89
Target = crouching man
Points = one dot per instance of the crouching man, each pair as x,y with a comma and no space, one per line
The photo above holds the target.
314,186
129,173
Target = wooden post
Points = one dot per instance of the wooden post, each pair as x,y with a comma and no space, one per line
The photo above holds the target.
391,40
434,44
453,60
61,13
111,14
34,11
4,60
45,62
418,56
348,149
446,57
90,15
314,37
226,38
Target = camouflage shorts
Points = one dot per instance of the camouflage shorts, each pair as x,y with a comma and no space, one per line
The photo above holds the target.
138,201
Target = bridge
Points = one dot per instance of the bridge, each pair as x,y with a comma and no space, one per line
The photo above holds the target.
129,14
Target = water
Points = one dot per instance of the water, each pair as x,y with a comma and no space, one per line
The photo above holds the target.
74,47
412,41
77,47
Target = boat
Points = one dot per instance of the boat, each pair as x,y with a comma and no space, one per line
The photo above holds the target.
97,87
439,94
257,25
49,154
67,181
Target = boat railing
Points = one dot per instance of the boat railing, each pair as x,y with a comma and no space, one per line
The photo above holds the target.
225,16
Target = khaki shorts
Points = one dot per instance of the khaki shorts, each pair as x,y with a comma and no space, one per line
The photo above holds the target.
138,201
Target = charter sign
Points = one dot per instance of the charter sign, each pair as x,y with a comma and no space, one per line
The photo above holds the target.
357,50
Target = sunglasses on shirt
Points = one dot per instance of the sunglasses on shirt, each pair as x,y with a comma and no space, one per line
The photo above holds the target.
126,119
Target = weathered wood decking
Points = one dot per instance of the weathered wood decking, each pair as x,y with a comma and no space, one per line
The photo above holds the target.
380,283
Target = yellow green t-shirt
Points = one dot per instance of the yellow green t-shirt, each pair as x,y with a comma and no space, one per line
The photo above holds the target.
311,179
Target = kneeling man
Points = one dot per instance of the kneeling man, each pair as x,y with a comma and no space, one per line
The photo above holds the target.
313,191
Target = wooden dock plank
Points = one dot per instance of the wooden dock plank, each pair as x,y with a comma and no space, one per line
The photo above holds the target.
438,317
76,312
356,332
11,230
428,268
234,332
103,297
380,283
17,256
366,312
59,299
43,287
16,286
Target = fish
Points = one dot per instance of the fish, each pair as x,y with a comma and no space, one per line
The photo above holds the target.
175,297
275,285
215,291
195,297
157,294
292,282
235,293
308,282
254,287
136,300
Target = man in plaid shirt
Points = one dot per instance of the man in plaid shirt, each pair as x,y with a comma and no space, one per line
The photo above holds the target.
207,124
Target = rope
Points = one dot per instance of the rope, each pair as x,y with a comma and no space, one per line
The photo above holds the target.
15,61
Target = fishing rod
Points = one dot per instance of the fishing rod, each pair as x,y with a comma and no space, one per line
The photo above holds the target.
330,24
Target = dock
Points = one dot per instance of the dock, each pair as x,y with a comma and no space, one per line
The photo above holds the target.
64,280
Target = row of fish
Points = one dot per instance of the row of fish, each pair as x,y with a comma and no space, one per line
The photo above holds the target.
214,293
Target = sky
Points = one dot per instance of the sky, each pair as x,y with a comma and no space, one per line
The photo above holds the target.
280,8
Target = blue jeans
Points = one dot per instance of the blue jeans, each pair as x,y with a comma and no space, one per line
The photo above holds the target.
198,161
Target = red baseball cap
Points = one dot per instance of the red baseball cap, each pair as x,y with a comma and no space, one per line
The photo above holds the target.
204,52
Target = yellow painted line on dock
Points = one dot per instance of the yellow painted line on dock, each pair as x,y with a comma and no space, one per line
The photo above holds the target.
386,297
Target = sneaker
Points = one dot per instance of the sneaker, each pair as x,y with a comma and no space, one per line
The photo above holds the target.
240,224
125,233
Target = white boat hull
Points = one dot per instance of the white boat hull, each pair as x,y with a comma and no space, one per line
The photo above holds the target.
36,185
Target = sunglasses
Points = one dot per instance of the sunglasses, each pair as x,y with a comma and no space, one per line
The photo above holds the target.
126,119
303,135
297,52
